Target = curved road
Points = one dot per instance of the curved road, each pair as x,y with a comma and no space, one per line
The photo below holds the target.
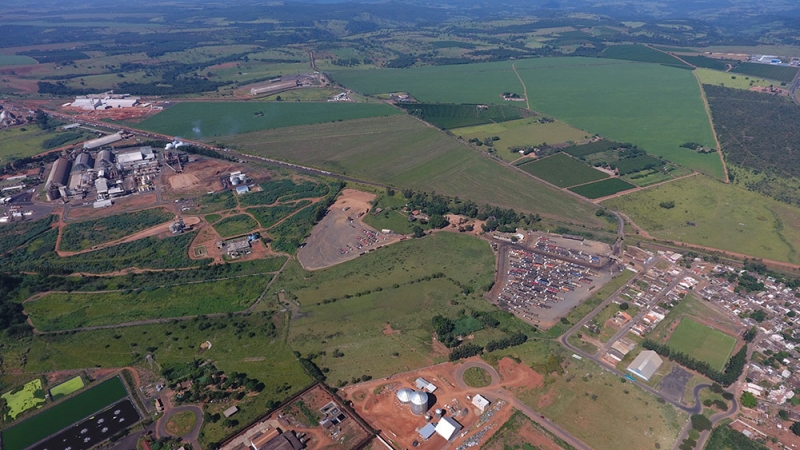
191,436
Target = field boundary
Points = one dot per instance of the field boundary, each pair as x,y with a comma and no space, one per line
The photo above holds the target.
711,123
524,88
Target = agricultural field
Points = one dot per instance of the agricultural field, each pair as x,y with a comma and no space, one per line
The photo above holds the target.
66,388
64,414
65,311
448,116
563,171
210,120
521,133
16,60
77,236
655,107
705,62
602,188
717,215
702,343
641,53
403,152
30,140
781,74
29,396
235,225
731,80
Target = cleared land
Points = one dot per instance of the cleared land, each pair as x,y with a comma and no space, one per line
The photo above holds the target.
59,311
702,343
602,188
66,388
208,120
717,215
403,152
84,235
28,397
731,80
656,107
563,171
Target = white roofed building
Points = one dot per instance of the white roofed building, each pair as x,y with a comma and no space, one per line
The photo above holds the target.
448,428
645,365
480,402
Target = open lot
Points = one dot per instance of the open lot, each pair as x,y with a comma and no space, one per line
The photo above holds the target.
210,120
714,214
27,397
731,80
84,235
702,343
563,170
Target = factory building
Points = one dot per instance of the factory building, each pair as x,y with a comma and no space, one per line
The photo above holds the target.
104,101
83,162
103,141
104,160
59,173
448,428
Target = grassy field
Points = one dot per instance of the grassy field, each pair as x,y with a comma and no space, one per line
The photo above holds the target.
16,60
690,307
563,170
640,53
181,423
731,80
709,63
235,225
62,415
717,215
779,73
447,116
403,152
602,188
208,120
58,311
84,235
389,219
656,107
28,397
268,216
66,388
522,133
28,140
703,343
477,377
508,437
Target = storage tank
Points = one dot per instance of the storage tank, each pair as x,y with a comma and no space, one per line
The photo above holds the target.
404,395
439,413
419,403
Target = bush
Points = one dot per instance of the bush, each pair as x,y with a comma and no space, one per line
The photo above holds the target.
749,400
701,422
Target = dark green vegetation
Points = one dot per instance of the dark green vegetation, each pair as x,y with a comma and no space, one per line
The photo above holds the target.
563,171
447,116
641,53
779,73
284,190
602,188
710,63
77,236
208,120
63,414
726,438
235,225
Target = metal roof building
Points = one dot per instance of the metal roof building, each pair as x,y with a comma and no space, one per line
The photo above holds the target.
480,402
427,431
104,159
100,142
645,365
82,162
447,428
59,173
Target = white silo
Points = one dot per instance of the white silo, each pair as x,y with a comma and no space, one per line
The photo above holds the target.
404,395
419,403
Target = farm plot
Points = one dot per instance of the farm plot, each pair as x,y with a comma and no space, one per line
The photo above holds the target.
27,397
641,53
710,63
83,235
16,60
21,142
66,388
65,311
447,116
209,120
731,80
716,215
783,74
702,343
403,152
563,171
602,188
235,225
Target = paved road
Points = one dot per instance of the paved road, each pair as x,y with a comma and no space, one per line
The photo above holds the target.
191,436
494,392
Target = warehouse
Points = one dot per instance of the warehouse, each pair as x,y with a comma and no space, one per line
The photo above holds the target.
103,141
645,365
83,162
104,160
59,173
448,428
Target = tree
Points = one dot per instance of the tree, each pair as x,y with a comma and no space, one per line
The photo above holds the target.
701,422
438,221
750,334
418,232
783,414
624,305
749,400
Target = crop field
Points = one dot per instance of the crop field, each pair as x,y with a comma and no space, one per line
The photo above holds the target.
403,152
268,216
66,388
641,53
779,73
447,116
64,414
602,188
731,80
16,60
522,133
27,397
84,235
208,120
717,215
709,63
655,107
702,343
57,311
29,140
235,225
563,170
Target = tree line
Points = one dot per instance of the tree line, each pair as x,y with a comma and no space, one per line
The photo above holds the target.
733,369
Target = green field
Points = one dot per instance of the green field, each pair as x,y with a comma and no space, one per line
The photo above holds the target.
66,388
403,152
602,188
640,53
563,170
28,397
477,377
702,343
389,219
64,414
783,74
77,236
268,216
59,311
731,80
447,116
29,140
656,107
235,225
709,63
208,120
16,60
717,215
